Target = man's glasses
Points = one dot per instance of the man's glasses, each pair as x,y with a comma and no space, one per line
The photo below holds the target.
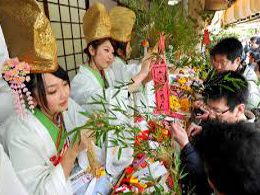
216,112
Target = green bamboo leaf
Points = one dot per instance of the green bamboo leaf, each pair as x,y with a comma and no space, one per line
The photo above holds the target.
143,104
85,113
132,108
104,107
119,153
118,102
227,87
116,93
77,129
104,94
104,137
75,138
110,111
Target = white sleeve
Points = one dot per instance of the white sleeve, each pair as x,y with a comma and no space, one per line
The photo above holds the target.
10,184
124,72
132,69
3,50
84,90
6,104
31,163
254,95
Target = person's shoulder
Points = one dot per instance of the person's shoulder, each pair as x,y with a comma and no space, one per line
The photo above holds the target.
72,104
82,69
16,127
15,122
81,75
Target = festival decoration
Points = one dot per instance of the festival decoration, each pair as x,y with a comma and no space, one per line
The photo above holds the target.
16,73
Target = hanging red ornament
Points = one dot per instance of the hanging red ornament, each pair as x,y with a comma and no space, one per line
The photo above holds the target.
206,40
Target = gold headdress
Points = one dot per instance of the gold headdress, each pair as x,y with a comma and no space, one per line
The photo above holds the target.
122,20
28,34
96,23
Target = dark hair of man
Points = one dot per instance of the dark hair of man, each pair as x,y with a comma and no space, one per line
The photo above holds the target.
230,85
254,38
231,156
258,41
258,64
36,85
95,44
230,47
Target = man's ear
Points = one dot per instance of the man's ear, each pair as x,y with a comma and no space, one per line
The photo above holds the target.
240,109
91,50
238,60
214,188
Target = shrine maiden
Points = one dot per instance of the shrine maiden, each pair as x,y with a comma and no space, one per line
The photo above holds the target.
35,138
94,77
123,20
95,82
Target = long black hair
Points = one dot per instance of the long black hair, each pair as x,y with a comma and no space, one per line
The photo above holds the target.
36,85
122,46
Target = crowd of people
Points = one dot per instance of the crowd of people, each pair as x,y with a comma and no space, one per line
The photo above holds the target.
252,54
220,153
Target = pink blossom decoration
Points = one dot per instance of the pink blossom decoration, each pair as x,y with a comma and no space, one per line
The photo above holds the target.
16,73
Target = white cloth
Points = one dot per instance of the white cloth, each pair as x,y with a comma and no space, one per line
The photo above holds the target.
84,87
9,182
124,72
30,147
254,93
6,105
250,74
3,50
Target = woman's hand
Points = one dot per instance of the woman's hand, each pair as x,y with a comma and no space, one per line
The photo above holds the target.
146,64
85,139
71,154
140,77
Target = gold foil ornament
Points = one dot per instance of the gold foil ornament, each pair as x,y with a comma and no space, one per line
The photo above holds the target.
122,20
28,34
96,23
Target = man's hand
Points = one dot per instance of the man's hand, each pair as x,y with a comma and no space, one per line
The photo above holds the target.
193,130
199,106
179,135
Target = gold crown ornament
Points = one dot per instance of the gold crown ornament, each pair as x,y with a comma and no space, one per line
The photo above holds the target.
122,20
96,23
28,34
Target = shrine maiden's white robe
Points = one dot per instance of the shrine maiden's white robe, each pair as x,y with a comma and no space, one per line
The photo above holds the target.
124,73
30,146
6,105
86,86
9,182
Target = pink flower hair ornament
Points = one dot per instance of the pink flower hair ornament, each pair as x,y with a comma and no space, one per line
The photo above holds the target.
16,73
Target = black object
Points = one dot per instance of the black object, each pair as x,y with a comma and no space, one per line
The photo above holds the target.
198,111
